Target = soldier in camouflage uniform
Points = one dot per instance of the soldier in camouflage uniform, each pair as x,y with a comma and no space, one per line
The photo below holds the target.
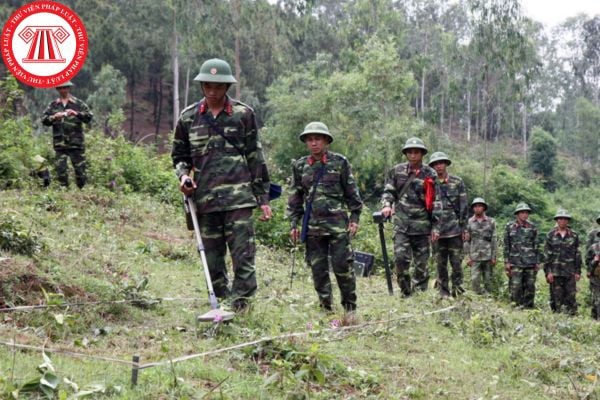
66,115
562,264
481,246
593,265
217,138
521,257
451,230
329,228
592,237
410,189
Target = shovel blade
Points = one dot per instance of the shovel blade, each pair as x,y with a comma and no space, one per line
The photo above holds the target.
216,315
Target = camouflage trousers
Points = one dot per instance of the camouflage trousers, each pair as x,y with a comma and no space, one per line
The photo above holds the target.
234,230
562,294
417,248
449,250
522,286
318,251
481,271
595,292
77,157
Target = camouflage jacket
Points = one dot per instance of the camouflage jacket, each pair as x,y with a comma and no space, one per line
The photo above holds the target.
410,214
336,191
226,180
521,244
561,254
593,237
482,244
593,266
453,208
67,132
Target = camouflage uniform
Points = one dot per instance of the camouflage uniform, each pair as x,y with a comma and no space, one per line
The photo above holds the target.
453,211
68,139
563,260
521,251
229,186
594,275
481,248
412,223
328,223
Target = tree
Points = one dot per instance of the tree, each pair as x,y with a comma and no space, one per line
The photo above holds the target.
108,100
542,156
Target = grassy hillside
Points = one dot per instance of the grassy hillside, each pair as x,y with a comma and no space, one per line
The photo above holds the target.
96,245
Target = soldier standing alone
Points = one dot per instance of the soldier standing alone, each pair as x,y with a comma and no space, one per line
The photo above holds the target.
521,257
410,189
217,138
562,264
451,229
481,246
324,179
66,115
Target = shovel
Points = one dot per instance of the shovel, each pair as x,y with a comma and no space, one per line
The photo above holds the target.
215,314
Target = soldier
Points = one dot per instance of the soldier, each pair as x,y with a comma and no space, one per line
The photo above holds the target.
562,264
324,179
410,189
481,246
66,115
521,257
217,139
592,238
593,265
451,230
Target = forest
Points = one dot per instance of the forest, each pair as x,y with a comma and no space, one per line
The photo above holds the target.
514,104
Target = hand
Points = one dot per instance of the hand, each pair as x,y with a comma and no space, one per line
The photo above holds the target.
589,274
577,277
550,278
508,269
295,235
469,262
71,112
188,191
465,236
266,212
493,261
597,258
352,228
536,267
386,211
435,236
59,115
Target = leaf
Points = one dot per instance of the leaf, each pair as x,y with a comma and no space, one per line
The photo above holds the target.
319,375
71,384
60,318
591,377
92,389
272,379
49,380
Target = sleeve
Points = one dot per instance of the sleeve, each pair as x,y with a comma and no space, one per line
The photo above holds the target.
295,206
589,253
256,161
389,190
463,207
467,243
536,247
351,193
47,116
578,260
494,240
506,243
181,153
84,113
548,254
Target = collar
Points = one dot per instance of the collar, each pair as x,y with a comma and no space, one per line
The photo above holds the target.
70,99
557,232
445,180
227,107
525,224
483,218
416,170
311,160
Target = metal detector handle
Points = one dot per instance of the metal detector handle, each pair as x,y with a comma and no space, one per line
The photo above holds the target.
212,298
380,219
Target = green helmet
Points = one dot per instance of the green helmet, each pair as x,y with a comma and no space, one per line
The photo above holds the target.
215,70
66,84
316,127
522,207
414,143
439,156
479,200
562,213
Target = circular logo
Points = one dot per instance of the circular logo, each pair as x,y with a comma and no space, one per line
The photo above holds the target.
213,71
44,44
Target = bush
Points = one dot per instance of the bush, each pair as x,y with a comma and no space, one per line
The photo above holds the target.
15,238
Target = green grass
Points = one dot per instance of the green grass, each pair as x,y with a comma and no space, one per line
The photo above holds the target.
99,245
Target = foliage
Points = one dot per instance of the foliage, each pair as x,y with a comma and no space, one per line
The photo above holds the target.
542,156
108,99
15,238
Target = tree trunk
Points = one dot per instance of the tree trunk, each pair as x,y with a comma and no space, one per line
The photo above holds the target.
236,9
187,85
442,114
175,73
132,105
524,132
423,72
468,115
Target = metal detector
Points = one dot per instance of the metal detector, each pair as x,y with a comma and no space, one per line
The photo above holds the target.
379,219
216,314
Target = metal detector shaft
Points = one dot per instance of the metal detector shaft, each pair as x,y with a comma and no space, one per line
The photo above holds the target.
386,263
293,264
214,304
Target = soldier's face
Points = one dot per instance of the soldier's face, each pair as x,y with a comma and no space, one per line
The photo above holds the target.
316,144
478,209
63,91
562,222
523,215
214,91
440,167
414,155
